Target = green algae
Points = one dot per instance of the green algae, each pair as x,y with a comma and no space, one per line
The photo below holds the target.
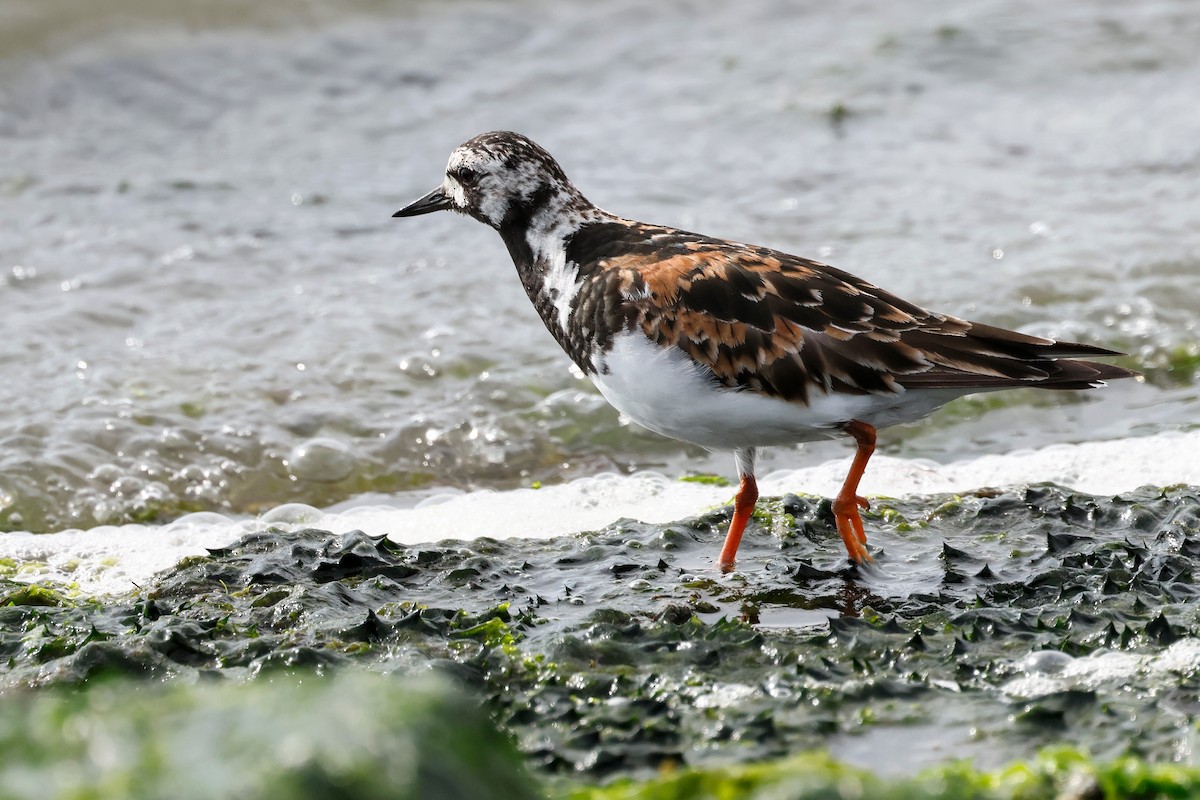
355,735
706,480
17,594
491,629
625,651
1054,774
838,113
1174,366
361,735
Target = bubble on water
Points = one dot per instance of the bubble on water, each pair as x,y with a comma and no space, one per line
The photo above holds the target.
322,459
1046,662
127,486
202,519
439,498
292,514
106,473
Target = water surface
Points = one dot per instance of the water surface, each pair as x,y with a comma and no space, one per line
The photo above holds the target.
208,306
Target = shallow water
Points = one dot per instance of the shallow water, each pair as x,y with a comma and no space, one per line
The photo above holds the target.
207,305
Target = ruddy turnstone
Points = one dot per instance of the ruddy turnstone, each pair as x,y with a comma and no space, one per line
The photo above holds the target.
733,346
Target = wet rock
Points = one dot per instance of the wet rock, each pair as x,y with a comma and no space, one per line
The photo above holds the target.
590,674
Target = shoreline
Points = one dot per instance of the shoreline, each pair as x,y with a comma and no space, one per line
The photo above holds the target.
111,560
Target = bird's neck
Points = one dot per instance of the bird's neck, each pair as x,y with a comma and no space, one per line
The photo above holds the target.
538,243
536,234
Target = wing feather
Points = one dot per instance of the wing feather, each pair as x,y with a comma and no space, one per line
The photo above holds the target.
785,326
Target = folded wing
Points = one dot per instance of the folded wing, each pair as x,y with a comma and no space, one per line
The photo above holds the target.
785,326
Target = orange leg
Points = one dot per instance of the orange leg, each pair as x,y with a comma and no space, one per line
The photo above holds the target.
743,507
847,503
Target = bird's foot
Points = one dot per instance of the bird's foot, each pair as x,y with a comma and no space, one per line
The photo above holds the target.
850,526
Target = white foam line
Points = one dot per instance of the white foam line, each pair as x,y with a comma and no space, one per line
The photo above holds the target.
114,559
1100,468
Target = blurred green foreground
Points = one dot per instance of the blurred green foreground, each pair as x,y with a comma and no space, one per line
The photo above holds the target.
369,735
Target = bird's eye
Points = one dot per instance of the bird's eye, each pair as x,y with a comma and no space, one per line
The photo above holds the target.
465,175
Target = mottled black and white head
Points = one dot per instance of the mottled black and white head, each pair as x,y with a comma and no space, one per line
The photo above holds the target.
502,179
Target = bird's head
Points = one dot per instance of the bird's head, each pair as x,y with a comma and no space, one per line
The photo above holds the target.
499,178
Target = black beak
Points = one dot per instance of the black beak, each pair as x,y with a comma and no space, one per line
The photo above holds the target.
434,201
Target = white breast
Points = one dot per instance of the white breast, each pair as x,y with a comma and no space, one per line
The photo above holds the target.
664,390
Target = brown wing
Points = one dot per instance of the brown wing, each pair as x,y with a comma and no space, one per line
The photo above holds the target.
783,325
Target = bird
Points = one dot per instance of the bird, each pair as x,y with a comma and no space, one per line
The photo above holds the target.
732,346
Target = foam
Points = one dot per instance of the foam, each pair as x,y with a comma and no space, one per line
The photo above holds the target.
1099,670
115,559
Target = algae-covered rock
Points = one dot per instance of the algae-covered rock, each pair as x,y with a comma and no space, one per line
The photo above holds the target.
993,625
354,736
1061,774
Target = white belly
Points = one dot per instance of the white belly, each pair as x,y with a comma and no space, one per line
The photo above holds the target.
665,391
